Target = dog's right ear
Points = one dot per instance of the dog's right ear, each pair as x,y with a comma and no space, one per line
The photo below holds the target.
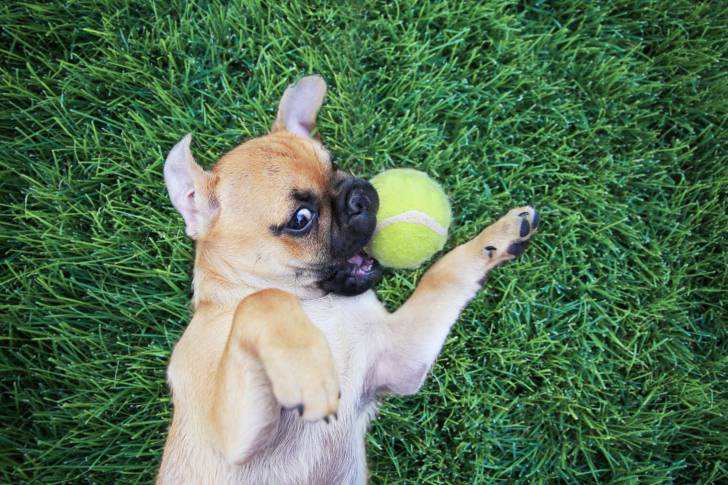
191,189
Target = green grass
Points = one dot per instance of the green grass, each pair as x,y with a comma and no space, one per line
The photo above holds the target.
602,355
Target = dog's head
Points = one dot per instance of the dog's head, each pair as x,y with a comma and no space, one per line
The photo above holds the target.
275,211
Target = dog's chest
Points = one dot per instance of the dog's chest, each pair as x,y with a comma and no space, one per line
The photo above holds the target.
334,452
352,326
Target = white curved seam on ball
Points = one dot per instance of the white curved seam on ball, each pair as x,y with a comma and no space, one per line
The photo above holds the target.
413,217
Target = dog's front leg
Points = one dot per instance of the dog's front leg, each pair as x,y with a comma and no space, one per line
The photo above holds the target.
417,331
274,357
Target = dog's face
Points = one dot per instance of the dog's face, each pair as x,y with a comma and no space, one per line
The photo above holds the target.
275,211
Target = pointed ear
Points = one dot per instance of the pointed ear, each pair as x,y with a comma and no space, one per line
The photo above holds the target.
190,188
299,106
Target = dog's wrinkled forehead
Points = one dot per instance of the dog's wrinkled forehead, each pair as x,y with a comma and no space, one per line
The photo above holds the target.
273,166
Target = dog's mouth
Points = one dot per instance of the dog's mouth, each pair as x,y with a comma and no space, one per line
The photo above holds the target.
361,264
353,276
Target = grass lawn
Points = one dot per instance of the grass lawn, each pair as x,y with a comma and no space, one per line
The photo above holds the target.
601,355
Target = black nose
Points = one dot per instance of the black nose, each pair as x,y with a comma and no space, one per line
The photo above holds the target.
357,199
354,208
357,202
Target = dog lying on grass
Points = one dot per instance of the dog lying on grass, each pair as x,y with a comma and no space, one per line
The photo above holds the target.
277,376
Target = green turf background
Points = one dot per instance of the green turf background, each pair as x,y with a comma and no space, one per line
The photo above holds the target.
600,356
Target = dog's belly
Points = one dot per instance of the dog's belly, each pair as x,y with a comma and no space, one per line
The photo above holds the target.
313,453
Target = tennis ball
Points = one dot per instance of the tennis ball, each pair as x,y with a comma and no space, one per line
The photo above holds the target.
413,218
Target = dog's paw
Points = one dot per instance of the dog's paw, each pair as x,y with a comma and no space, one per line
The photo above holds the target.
508,237
303,378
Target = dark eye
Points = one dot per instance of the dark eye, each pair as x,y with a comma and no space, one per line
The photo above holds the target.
301,220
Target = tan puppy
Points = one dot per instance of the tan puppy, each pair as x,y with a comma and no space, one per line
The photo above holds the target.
277,375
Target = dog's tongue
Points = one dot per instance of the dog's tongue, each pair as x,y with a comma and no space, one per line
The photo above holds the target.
362,263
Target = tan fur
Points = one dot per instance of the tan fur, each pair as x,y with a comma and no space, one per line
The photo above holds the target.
263,339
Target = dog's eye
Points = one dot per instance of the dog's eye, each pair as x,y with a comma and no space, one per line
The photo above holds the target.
301,220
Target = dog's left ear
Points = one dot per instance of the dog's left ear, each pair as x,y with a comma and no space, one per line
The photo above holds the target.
299,106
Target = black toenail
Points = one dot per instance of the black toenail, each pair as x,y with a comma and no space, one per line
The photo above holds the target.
326,419
339,394
336,416
525,227
517,248
300,409
534,222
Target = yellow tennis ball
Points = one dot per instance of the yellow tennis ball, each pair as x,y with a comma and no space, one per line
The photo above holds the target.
413,218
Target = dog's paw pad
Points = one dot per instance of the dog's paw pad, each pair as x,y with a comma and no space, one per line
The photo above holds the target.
517,248
508,237
525,225
490,251
519,225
